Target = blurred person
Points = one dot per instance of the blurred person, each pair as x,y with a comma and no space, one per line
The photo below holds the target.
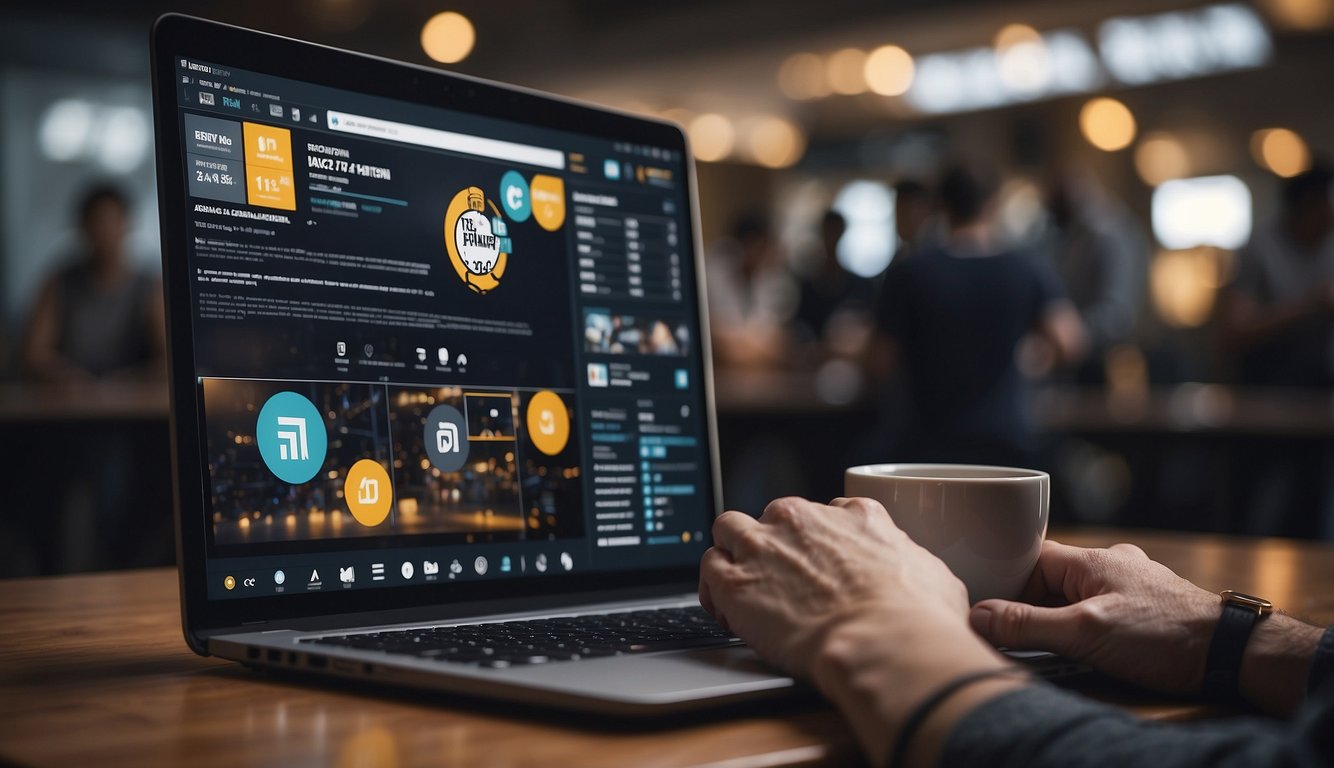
751,296
1277,321
1101,255
99,316
831,291
956,317
839,597
914,217
1277,316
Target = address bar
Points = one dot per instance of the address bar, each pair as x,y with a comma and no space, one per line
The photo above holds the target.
454,142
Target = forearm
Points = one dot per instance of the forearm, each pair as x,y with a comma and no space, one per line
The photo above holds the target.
1277,663
864,669
1042,726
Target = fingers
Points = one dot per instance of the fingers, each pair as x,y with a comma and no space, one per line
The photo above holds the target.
734,530
859,503
712,568
1129,549
1027,627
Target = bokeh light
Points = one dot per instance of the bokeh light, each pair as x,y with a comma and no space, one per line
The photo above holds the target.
889,70
1161,157
448,37
775,142
711,137
1107,124
1281,151
846,71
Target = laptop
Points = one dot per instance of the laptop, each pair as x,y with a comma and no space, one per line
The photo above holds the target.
441,398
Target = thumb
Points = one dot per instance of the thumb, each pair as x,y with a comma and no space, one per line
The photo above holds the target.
1024,627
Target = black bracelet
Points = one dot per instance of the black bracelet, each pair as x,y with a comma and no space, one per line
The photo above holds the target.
922,711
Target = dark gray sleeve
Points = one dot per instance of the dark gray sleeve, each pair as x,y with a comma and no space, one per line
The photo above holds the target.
1042,726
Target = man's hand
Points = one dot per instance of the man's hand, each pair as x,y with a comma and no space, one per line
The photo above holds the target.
840,596
783,582
1134,619
1114,609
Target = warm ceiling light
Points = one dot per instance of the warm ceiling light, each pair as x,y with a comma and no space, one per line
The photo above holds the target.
1107,124
711,137
775,142
889,70
1300,14
1281,151
1161,157
846,71
448,37
1015,34
802,77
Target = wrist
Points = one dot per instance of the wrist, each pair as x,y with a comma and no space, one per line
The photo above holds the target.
877,668
1277,662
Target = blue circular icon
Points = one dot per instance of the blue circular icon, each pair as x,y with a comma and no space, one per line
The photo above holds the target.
514,196
291,437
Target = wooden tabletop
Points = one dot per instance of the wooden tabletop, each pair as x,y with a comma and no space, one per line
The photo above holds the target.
93,671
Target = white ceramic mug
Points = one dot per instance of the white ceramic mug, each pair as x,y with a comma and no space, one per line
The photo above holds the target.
986,523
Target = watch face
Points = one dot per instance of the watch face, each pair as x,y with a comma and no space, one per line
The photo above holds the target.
1243,600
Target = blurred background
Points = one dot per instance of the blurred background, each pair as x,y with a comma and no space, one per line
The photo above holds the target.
1137,192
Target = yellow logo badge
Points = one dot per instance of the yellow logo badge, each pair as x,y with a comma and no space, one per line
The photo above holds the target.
477,239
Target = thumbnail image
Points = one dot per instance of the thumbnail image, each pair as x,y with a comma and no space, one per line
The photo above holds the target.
279,453
552,487
613,333
456,466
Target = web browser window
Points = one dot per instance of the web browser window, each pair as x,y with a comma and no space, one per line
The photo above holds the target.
433,346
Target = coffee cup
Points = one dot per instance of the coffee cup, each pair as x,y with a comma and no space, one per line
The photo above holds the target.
986,523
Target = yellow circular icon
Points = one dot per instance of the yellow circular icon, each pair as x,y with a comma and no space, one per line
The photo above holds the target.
548,422
229,583
367,493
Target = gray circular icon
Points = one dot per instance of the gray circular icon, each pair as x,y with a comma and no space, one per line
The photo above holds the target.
446,438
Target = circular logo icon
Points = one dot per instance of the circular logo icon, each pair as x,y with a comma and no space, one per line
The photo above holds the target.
446,438
291,437
367,493
514,196
548,422
477,239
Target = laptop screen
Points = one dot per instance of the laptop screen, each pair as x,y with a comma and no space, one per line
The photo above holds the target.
432,346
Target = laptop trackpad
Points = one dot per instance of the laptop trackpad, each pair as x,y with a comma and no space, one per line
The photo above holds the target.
662,676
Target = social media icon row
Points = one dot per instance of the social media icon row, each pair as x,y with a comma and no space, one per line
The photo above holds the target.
430,571
423,354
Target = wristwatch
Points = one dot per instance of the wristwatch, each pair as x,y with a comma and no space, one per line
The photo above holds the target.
1223,666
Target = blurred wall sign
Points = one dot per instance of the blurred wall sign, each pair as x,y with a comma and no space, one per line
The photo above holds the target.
1133,50
1206,210
1176,46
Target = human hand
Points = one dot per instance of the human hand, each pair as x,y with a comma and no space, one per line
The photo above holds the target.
840,596
1114,609
785,581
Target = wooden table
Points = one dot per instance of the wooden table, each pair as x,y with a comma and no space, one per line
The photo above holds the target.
93,671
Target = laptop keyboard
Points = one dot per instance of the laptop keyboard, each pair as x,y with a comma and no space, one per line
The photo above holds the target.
539,641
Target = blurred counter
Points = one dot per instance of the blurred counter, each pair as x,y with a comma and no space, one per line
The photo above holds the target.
1190,408
140,400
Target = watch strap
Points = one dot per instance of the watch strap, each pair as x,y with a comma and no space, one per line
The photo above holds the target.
1223,665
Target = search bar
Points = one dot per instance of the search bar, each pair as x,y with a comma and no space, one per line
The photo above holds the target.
454,142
